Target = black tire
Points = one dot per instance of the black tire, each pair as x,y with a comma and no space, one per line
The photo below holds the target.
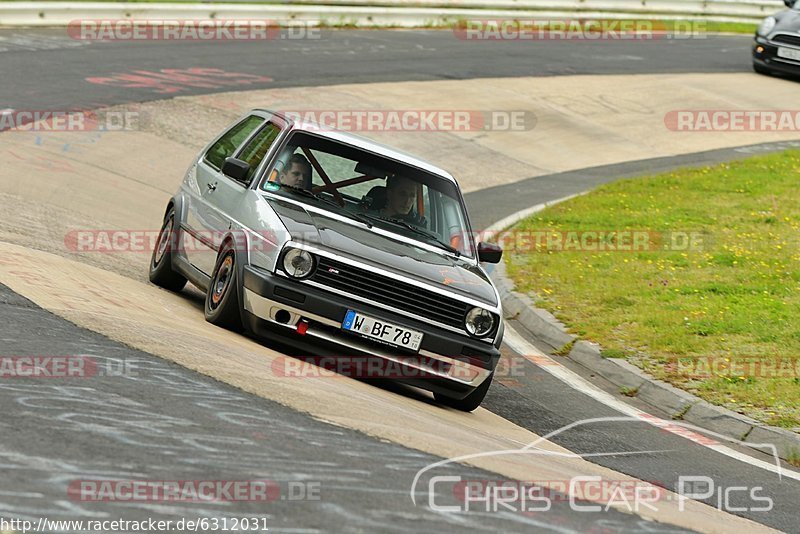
222,297
761,70
471,401
161,273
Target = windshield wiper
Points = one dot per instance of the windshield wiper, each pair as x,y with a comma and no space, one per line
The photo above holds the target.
417,230
311,194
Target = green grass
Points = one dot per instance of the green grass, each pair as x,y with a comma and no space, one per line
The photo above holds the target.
793,458
735,297
565,349
733,27
629,392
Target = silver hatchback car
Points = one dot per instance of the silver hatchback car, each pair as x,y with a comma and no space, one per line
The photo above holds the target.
340,247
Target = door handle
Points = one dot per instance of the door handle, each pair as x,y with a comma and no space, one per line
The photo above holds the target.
212,187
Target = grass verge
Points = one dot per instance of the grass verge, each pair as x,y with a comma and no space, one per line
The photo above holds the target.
793,458
707,298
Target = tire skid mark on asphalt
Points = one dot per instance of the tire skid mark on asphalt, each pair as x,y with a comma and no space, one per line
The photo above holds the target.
170,81
104,317
171,327
17,42
179,442
183,441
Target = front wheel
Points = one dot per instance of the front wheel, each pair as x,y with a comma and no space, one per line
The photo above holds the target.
471,401
161,273
222,298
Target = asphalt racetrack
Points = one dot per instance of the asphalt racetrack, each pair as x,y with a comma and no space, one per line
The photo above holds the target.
343,453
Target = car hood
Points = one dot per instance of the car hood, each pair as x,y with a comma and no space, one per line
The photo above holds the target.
359,243
787,20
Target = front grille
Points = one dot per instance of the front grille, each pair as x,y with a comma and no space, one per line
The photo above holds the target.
391,292
783,38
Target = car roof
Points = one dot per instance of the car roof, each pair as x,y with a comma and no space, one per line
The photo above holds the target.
360,142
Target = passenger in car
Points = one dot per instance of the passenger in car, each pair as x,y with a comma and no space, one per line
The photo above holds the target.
401,194
297,172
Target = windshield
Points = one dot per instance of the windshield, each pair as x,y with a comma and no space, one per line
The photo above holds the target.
372,190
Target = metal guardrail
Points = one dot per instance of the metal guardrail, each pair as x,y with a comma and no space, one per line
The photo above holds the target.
402,13
727,7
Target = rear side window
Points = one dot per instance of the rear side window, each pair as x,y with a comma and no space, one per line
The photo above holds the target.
228,143
258,147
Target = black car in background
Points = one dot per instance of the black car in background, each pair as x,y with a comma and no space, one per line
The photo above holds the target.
776,49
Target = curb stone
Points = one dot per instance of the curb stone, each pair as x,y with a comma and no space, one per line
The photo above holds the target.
548,332
588,355
543,325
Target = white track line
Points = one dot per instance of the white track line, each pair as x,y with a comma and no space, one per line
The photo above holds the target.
521,346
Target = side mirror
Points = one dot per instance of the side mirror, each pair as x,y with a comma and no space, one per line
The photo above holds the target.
236,169
489,253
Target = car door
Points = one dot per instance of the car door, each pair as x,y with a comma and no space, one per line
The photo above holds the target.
203,221
227,203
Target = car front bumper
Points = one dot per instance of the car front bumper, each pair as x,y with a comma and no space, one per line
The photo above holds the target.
768,58
446,363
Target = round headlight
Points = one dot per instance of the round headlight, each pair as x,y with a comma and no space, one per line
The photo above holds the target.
479,322
766,26
298,263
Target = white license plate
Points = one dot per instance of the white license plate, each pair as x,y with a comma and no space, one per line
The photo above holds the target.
382,331
789,53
